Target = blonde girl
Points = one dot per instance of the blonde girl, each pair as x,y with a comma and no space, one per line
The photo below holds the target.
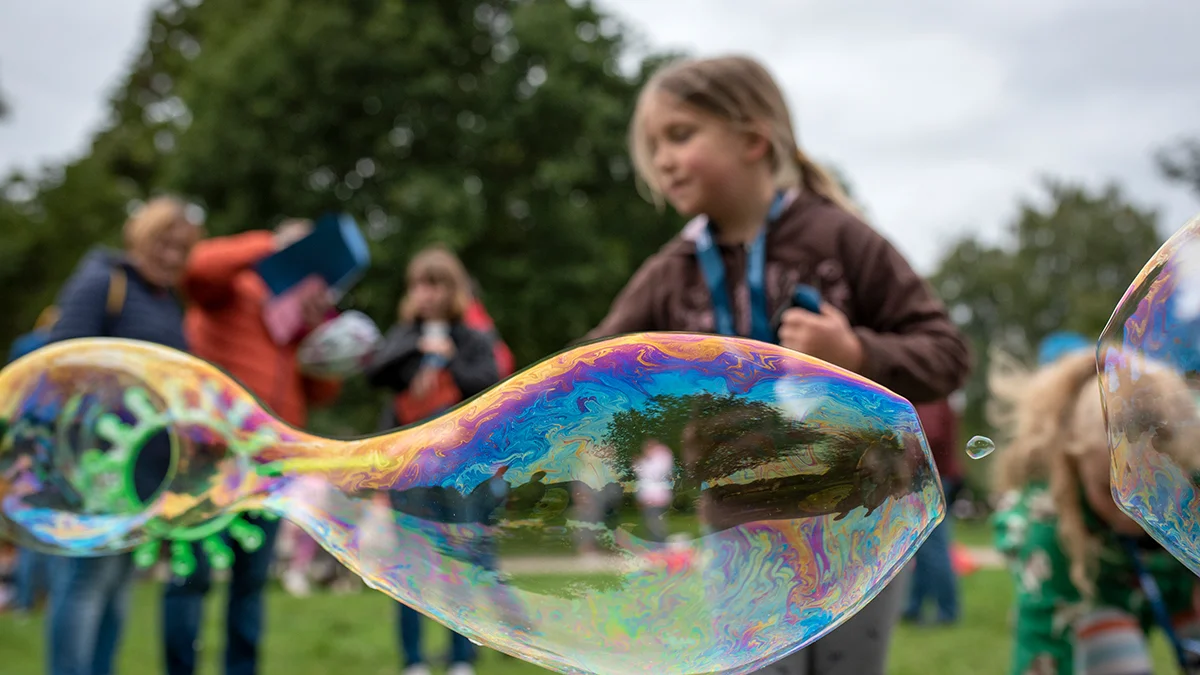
714,139
1082,607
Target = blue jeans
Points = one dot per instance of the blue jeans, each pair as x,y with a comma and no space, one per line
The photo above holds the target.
439,508
461,649
33,575
183,608
89,598
934,576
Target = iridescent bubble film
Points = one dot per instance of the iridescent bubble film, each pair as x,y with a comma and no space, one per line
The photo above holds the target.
1149,359
655,503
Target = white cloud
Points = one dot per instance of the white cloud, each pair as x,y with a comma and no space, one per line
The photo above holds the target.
942,113
59,60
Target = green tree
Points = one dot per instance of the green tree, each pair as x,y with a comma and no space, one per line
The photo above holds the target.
1063,264
1181,164
495,127
52,215
716,436
48,222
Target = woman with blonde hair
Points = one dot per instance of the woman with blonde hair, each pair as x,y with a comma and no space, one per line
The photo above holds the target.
432,361
122,294
131,293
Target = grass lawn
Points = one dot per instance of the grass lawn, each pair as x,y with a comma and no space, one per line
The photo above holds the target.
356,635
973,533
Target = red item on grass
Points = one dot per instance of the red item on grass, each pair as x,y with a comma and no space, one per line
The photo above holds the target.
962,561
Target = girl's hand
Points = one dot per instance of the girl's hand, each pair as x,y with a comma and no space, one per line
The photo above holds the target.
424,382
315,308
439,346
827,336
290,232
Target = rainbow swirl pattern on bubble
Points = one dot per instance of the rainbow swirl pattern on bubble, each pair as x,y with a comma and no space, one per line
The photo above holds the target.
1149,359
523,517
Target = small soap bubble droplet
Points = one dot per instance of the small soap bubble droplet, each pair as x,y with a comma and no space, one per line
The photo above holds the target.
980,447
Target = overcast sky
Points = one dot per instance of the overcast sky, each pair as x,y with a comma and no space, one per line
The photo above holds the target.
943,113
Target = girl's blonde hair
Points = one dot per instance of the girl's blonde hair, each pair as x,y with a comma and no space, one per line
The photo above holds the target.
742,92
439,265
152,219
1057,421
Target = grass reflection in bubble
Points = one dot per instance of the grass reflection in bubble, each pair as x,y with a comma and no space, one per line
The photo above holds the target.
654,503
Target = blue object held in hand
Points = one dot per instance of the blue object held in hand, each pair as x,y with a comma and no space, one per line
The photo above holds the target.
803,296
806,297
335,250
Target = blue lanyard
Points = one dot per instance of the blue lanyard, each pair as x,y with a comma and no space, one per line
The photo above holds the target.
714,275
1158,605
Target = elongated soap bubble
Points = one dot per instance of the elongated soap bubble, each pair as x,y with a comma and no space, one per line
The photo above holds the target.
1149,359
655,503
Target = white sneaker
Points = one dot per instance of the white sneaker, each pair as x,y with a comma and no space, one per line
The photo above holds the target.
296,583
460,669
417,669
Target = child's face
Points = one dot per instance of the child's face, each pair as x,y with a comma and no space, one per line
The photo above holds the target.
1093,461
431,297
700,162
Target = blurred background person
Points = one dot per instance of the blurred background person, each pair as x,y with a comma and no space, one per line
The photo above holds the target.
431,360
31,572
933,577
654,469
122,294
225,325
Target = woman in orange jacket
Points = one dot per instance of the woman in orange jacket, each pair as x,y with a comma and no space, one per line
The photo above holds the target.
225,325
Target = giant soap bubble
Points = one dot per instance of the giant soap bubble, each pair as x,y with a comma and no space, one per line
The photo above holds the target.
655,503
1149,359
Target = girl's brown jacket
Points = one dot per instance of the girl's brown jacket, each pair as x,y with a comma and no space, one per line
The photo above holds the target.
910,344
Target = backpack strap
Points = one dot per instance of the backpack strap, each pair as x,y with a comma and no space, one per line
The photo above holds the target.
117,287
47,318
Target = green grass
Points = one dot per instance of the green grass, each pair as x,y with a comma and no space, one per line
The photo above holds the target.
973,533
356,634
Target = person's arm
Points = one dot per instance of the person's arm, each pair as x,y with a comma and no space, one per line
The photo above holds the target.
213,264
395,364
505,362
633,310
83,305
474,364
1010,526
931,424
910,345
319,392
